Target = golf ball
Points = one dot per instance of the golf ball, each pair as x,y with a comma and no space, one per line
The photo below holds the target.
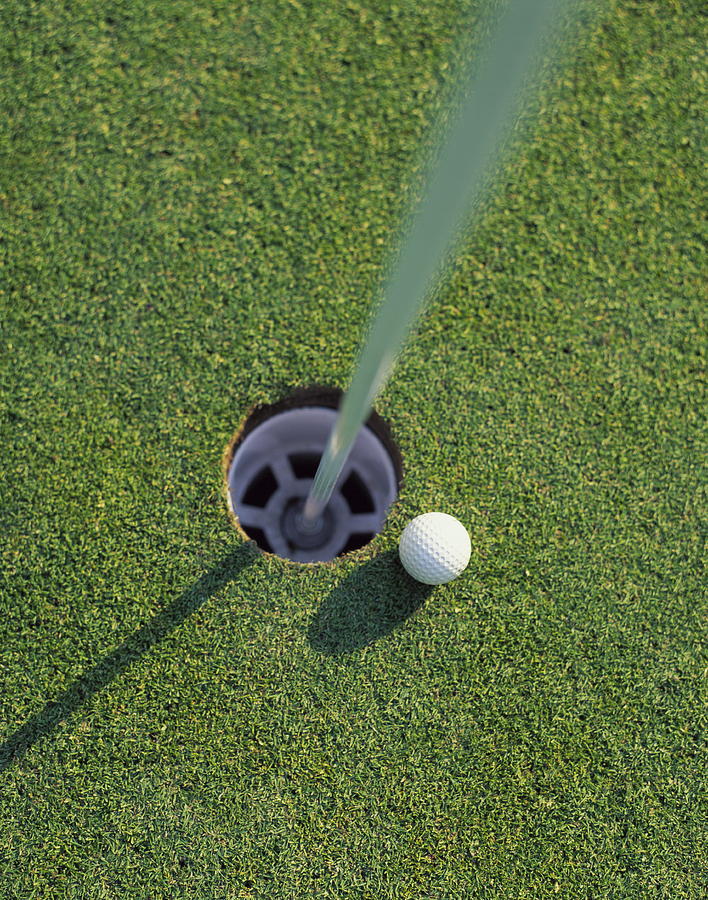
434,548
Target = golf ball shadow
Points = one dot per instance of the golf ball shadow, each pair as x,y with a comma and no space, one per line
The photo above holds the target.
369,604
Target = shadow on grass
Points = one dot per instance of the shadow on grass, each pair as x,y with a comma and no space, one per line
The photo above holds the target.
367,605
115,663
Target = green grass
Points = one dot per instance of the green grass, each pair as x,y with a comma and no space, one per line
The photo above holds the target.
197,201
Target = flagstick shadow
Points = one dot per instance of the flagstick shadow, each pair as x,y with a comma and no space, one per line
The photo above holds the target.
374,600
55,712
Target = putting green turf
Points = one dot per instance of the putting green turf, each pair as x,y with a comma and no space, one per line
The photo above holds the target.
196,203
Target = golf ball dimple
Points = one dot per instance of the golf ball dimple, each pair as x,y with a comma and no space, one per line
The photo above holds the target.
435,548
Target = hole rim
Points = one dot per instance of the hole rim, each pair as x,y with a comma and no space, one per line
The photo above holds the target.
304,397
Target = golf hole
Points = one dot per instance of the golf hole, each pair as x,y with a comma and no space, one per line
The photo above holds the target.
270,465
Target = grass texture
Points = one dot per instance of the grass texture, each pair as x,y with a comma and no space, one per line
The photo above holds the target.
197,202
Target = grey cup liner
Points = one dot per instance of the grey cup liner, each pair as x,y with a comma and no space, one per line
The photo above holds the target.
295,433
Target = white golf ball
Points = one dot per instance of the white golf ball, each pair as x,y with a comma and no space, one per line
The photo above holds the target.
434,548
